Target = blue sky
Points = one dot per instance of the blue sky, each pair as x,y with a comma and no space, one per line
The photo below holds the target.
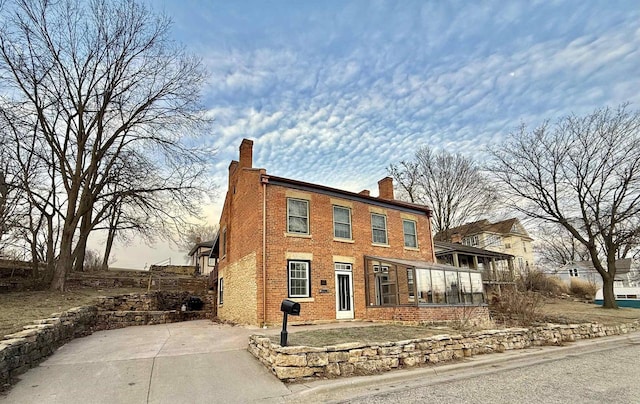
332,92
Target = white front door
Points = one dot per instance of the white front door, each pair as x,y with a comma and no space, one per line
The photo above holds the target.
344,292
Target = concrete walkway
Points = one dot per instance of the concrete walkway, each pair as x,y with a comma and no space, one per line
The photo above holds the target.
189,362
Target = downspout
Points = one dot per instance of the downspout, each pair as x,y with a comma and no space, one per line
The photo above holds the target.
433,244
264,180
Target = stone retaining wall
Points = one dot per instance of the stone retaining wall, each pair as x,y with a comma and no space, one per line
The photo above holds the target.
131,279
26,349
300,362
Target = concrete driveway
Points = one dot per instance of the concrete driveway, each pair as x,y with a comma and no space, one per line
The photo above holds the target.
189,362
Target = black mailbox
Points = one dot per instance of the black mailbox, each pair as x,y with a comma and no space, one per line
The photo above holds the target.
290,307
287,307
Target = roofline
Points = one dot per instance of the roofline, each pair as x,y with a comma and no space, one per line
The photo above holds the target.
306,186
470,250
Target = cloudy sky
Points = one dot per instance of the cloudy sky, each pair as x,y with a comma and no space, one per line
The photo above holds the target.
332,92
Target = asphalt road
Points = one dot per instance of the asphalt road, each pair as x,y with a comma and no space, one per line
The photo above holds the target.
607,375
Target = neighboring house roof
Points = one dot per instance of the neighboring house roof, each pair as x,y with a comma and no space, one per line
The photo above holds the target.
205,244
306,186
623,266
508,226
445,248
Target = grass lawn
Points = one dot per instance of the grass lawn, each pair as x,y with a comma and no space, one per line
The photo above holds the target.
369,334
21,308
562,310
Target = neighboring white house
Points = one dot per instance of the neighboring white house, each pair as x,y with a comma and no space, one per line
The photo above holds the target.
200,257
626,274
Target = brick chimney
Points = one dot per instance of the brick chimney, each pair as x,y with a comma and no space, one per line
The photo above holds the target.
365,192
385,188
246,153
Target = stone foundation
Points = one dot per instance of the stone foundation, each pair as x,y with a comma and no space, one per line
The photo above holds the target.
300,362
26,349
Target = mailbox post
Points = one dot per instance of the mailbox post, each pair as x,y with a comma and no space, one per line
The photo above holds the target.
287,307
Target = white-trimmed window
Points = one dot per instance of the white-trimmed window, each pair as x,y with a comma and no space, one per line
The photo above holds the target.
471,241
298,273
380,268
297,216
221,292
379,228
410,235
341,222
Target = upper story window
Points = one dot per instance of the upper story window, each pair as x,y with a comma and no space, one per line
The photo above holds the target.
524,246
297,216
341,222
223,242
471,241
494,241
410,235
379,228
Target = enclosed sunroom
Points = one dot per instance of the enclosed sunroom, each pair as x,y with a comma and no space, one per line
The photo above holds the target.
399,289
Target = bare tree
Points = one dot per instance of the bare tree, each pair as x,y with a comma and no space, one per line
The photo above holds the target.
555,246
582,173
197,233
451,184
90,85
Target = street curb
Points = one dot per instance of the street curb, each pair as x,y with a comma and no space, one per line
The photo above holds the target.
479,361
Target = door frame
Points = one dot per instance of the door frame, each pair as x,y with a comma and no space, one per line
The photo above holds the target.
346,314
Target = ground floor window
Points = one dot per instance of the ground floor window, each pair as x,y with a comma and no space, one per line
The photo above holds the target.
298,273
221,291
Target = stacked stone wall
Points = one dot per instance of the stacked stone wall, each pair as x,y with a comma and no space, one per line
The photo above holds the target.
300,362
143,280
240,291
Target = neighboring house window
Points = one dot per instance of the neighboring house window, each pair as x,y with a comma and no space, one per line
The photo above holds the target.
494,240
507,245
471,241
573,272
221,292
298,278
223,242
341,222
379,228
297,216
410,238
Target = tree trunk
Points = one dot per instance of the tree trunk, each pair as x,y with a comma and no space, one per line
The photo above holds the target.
111,235
65,259
107,249
607,292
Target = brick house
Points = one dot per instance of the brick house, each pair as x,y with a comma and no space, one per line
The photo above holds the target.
341,255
